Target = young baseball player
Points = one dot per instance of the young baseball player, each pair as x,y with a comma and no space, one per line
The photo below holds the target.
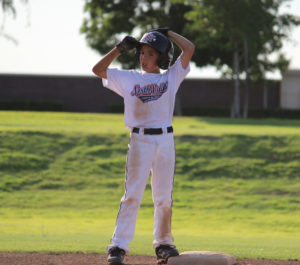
149,97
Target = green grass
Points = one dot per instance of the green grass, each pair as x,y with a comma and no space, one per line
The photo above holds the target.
236,189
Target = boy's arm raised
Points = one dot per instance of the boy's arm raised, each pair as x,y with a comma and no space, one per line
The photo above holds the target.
185,45
100,68
126,44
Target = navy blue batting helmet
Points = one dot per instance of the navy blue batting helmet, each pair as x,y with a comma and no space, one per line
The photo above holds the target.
160,43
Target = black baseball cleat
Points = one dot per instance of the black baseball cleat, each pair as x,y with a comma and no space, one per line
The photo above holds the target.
163,252
116,256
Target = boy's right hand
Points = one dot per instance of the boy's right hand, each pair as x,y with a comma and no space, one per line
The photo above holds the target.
127,44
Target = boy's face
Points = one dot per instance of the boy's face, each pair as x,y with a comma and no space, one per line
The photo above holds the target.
148,59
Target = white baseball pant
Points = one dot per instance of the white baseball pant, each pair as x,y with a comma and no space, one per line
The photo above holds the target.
155,154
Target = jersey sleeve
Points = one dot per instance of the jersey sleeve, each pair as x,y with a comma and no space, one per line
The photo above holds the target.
116,80
177,73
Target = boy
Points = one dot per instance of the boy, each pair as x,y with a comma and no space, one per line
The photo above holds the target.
149,98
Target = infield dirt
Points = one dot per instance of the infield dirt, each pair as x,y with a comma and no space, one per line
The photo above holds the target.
100,259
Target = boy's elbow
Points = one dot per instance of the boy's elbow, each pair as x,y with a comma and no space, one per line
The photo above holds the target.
99,72
94,70
192,48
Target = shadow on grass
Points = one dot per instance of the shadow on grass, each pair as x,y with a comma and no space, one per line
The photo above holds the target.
237,156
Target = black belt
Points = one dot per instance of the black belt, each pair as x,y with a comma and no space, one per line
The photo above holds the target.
152,130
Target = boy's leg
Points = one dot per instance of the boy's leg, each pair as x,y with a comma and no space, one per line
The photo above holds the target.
138,165
162,186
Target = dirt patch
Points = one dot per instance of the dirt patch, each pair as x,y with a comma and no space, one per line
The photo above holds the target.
100,259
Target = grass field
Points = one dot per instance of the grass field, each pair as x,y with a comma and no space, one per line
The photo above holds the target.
237,184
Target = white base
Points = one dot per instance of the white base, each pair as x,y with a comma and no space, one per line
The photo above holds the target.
202,258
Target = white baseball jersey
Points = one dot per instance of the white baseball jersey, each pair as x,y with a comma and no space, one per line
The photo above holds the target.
148,98
149,103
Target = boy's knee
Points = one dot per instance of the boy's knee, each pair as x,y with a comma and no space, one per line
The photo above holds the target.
131,200
167,203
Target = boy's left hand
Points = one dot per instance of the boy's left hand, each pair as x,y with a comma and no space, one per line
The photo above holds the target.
162,31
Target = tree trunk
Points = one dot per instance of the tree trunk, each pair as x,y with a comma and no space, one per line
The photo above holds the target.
246,98
236,71
178,110
265,96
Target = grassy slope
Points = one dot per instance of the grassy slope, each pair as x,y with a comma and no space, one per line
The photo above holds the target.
236,190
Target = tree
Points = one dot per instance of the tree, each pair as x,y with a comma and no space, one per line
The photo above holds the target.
8,7
223,31
107,22
252,28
